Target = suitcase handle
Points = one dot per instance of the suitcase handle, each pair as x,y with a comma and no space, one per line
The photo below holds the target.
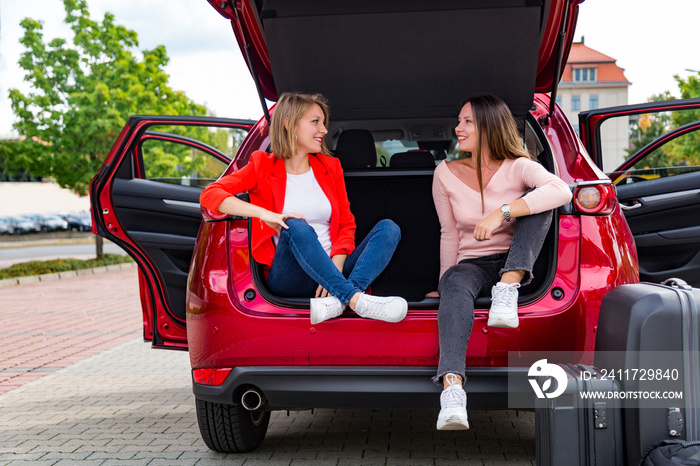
677,283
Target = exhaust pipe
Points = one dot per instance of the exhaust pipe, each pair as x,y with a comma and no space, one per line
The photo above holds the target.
253,400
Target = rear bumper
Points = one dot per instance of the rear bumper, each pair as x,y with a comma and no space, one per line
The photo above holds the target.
359,387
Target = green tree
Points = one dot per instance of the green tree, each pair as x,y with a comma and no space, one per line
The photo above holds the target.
685,150
646,129
82,95
168,160
679,152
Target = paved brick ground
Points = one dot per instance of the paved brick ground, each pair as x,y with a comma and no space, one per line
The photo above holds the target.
52,324
131,405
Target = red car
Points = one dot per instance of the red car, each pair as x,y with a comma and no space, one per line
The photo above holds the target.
395,74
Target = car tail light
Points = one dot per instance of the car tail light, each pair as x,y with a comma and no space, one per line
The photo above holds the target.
211,216
595,198
211,376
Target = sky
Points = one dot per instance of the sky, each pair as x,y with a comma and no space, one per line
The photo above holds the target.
652,41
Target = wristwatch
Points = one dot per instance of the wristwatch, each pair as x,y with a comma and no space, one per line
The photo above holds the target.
505,208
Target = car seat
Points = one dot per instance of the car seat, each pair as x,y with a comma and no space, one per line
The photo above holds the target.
355,149
412,159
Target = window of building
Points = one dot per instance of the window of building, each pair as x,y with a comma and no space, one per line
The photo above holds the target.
593,102
576,103
558,100
584,74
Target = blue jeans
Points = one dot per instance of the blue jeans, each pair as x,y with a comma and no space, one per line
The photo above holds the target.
301,264
461,284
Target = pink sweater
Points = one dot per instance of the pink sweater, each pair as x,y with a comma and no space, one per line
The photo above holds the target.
459,206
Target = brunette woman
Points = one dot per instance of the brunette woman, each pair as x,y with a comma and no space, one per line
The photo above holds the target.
495,208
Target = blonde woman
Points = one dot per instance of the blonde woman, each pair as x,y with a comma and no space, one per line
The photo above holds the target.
303,230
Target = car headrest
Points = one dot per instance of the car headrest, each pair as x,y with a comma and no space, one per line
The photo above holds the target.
355,149
412,159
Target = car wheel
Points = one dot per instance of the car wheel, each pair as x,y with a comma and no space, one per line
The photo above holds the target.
231,428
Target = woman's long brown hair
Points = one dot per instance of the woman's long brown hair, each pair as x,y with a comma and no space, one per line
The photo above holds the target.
496,127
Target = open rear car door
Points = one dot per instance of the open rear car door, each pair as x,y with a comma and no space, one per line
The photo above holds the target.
145,198
658,184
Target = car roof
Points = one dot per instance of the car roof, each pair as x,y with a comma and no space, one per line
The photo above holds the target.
376,59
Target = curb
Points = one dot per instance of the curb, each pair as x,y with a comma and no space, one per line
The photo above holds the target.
49,277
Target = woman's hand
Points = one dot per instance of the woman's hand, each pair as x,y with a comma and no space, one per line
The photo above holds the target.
487,225
275,220
433,294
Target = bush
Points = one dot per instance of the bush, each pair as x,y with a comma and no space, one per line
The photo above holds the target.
25,269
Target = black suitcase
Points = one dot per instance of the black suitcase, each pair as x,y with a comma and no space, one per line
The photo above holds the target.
672,453
571,429
647,337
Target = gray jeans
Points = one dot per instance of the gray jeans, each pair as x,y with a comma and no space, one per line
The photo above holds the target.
461,284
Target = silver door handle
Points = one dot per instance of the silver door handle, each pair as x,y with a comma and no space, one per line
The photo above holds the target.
636,205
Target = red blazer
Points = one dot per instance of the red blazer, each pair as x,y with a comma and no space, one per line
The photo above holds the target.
265,179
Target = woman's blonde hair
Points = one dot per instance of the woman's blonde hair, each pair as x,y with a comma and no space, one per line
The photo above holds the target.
496,127
289,109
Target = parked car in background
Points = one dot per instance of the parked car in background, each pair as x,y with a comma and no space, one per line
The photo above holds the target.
22,225
32,223
78,222
5,227
392,120
50,222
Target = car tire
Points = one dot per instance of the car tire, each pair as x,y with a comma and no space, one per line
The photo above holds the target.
231,428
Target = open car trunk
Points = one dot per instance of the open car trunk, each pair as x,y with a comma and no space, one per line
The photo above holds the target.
400,189
399,70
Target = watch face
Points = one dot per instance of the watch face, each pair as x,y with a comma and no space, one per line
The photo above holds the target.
505,209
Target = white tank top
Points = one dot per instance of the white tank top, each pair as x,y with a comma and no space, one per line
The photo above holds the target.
305,196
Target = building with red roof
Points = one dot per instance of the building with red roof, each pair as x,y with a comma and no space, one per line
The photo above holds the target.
592,80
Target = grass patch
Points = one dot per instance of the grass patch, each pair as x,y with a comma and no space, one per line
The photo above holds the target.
26,269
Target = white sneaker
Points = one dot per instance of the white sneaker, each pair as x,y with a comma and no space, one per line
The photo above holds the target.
386,308
325,308
504,306
453,412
